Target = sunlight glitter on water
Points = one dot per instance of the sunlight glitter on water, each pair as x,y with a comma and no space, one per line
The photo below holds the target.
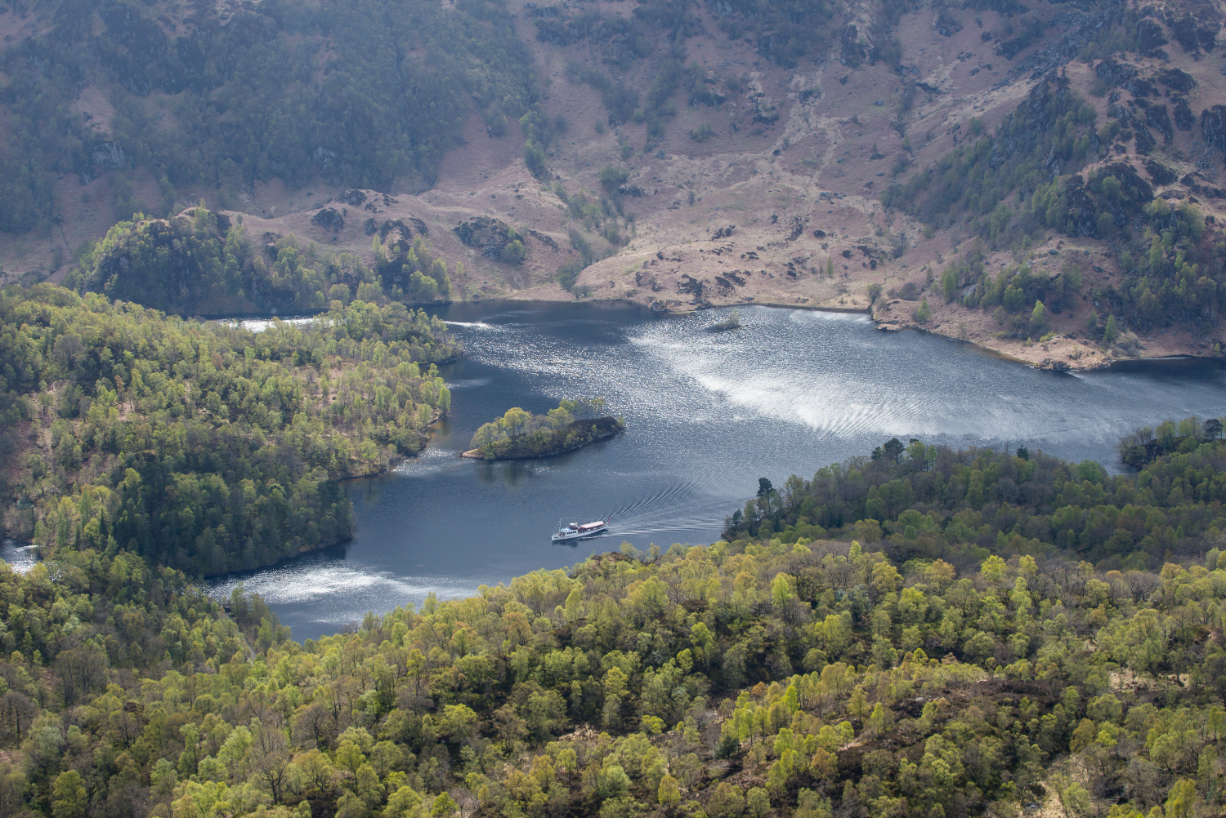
707,414
261,324
302,586
19,556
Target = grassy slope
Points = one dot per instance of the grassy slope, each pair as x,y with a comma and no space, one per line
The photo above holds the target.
812,168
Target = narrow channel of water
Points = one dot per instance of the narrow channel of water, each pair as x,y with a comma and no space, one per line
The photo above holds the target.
707,414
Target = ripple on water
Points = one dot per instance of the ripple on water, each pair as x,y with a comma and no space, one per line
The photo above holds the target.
467,383
707,414
431,461
20,557
349,591
261,324
476,325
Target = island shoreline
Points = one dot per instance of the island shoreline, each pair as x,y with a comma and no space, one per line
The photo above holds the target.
612,428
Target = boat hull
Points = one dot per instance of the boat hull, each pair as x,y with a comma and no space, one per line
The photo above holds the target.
580,534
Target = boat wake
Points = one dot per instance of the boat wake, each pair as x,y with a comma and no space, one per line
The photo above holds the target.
685,506
471,324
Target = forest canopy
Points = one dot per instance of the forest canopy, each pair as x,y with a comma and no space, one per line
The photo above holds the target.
200,262
571,425
363,94
764,675
202,445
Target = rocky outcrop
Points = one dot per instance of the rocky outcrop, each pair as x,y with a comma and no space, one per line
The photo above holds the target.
1179,81
1193,34
489,235
1213,124
329,219
108,156
1184,118
1132,185
1157,118
1160,173
1113,73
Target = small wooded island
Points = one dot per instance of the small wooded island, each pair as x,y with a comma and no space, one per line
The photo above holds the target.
521,434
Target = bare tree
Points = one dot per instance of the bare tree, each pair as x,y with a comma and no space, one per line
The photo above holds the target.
1141,584
16,714
270,761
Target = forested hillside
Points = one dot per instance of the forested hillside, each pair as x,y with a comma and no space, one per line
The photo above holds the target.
924,161
221,96
200,263
926,501
938,670
203,446
1034,174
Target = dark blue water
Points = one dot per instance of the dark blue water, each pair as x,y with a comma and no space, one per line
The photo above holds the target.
707,415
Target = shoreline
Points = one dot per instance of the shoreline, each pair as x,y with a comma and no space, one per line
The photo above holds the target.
474,454
1047,363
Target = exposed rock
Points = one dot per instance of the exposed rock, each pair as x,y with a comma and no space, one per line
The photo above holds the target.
796,227
1140,88
727,283
544,239
487,234
1131,184
1081,209
1114,73
1184,118
1042,109
691,286
1150,39
1145,141
945,23
851,50
1191,34
1160,173
1190,182
108,155
1157,118
1213,123
396,236
329,219
1048,365
1177,80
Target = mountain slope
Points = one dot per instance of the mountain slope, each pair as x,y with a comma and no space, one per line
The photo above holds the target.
688,154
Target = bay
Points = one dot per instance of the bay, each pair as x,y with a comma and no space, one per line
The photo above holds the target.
707,414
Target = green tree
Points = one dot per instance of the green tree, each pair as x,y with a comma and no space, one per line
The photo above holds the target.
669,793
514,252
1181,801
1038,320
1073,797
69,797
757,802
727,802
1110,332
949,284
611,179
